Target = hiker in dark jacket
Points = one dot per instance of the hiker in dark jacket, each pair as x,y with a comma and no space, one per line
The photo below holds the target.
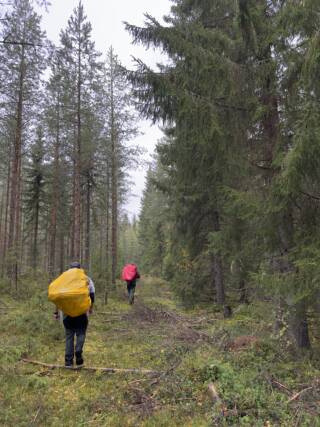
77,326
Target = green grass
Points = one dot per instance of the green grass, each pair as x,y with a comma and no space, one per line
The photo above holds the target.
156,333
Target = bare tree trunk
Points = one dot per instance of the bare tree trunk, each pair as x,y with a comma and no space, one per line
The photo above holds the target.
299,325
114,229
1,215
35,238
15,179
87,225
217,266
2,228
77,189
55,199
243,298
5,228
18,227
45,251
62,253
101,230
298,321
107,279
72,231
114,183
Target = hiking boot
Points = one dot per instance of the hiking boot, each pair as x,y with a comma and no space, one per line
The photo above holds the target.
79,360
68,364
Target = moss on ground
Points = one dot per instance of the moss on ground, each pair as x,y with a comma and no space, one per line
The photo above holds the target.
255,376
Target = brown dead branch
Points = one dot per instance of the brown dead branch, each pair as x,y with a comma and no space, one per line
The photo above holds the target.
36,416
93,368
280,386
297,395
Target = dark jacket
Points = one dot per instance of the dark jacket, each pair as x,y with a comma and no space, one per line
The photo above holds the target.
79,322
132,282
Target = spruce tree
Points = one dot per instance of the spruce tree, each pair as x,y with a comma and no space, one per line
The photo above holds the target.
120,128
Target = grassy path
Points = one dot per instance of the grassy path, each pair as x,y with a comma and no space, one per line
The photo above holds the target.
188,349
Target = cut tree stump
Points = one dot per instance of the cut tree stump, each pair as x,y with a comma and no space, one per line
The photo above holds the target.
93,368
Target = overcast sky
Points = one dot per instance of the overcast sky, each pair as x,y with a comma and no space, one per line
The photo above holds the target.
106,17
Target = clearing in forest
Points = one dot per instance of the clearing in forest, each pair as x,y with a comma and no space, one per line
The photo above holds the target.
207,371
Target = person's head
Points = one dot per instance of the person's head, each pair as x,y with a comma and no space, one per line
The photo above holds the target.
75,264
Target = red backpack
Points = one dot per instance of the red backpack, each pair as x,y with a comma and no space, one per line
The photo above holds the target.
129,272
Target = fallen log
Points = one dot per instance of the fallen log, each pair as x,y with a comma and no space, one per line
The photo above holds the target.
93,368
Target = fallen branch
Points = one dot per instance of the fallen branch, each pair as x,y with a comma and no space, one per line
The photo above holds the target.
280,386
93,368
36,416
107,313
297,395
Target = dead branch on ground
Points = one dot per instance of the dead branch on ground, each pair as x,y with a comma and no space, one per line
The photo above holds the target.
94,368
297,395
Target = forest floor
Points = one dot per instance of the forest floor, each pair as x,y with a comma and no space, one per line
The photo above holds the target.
259,380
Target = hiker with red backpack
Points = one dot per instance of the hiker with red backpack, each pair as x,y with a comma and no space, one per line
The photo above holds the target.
130,275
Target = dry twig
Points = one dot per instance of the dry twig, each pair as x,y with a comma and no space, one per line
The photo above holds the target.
93,368
297,395
280,386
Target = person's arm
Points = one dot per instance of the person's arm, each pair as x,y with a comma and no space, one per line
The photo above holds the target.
137,275
91,293
56,314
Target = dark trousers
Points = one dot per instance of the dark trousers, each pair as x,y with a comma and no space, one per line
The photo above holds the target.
131,287
78,330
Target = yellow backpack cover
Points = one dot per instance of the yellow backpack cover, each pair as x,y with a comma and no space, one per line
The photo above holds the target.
70,292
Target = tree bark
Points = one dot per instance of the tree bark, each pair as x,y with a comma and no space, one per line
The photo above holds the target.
55,198
5,228
15,179
35,237
299,325
107,279
77,189
88,224
114,184
217,266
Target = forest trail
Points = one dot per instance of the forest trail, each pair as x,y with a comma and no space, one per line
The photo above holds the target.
188,349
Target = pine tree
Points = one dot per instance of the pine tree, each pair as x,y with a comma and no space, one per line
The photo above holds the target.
22,67
81,60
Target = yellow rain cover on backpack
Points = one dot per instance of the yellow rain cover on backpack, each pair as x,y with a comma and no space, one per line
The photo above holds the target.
70,292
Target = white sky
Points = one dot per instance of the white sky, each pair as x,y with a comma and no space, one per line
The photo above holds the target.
106,17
